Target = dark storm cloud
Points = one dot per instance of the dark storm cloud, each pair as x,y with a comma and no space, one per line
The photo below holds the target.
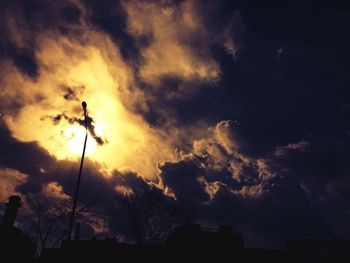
302,95
182,178
262,195
128,179
111,18
24,59
261,91
26,157
189,100
322,170
284,211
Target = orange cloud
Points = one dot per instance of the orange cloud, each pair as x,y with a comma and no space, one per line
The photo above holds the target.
9,180
171,31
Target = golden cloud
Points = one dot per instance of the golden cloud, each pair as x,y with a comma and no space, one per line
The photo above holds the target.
9,180
94,70
178,41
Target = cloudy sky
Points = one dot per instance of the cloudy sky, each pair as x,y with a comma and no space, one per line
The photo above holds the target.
241,108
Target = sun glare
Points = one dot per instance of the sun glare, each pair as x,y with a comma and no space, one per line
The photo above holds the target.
75,137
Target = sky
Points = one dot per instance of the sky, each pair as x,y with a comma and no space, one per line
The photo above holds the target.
241,108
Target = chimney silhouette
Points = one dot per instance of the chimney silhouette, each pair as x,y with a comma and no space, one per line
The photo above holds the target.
11,211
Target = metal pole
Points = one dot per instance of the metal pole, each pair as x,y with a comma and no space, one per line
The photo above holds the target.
71,221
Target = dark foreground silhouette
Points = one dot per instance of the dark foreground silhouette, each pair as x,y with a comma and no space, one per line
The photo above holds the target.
15,246
189,242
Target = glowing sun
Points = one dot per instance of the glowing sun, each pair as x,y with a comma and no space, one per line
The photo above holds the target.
75,137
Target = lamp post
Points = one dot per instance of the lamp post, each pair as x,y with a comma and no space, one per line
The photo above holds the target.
71,221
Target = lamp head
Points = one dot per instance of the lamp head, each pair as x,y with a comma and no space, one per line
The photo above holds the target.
84,105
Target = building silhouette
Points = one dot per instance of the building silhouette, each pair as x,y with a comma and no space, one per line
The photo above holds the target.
193,235
314,250
189,242
15,246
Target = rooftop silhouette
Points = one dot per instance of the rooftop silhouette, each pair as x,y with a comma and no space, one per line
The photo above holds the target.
190,241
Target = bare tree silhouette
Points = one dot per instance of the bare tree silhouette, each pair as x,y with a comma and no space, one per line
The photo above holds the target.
49,218
146,215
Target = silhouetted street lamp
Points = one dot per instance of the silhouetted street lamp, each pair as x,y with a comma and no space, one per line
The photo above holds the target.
71,222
